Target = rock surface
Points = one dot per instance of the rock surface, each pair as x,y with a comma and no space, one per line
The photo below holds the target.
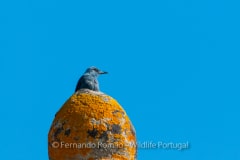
91,126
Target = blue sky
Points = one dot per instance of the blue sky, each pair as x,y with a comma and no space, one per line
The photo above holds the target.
173,66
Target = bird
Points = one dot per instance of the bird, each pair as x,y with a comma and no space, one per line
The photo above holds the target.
89,79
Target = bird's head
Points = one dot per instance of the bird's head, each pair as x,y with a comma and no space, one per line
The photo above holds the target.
94,71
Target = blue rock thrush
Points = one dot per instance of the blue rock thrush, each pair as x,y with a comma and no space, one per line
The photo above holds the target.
89,79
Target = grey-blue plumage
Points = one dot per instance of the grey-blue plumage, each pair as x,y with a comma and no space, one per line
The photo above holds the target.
89,79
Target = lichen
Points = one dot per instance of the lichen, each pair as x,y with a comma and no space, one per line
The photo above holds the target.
93,118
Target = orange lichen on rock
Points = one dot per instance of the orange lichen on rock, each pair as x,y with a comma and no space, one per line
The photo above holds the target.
91,126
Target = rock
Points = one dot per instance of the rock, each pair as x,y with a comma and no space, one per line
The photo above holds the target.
91,126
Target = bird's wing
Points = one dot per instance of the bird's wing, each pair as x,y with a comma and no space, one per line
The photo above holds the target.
79,84
85,82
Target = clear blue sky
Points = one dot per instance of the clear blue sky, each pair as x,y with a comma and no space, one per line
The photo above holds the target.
173,65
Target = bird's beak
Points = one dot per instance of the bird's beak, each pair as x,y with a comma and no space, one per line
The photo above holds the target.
102,72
